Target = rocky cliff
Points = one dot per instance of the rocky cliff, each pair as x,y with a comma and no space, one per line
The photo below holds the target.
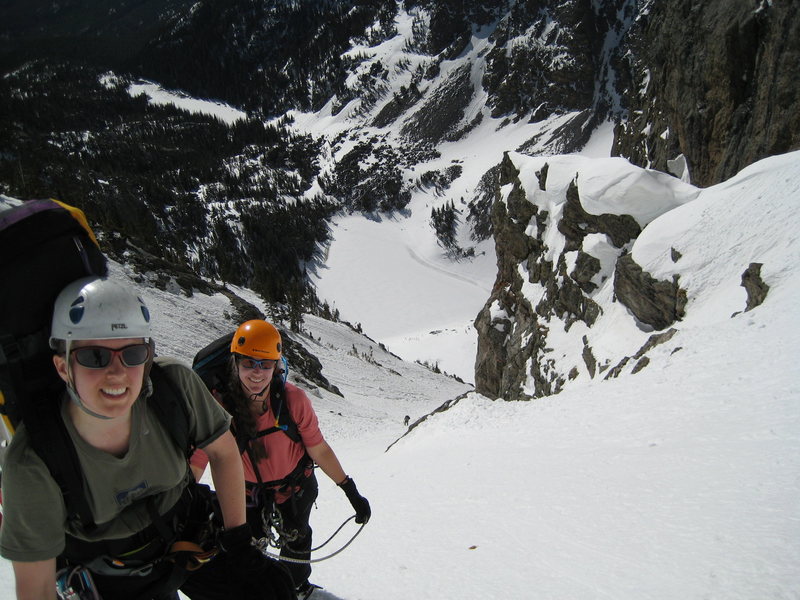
563,234
712,86
705,89
602,264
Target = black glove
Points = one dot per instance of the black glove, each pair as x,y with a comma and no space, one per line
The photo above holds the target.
359,503
257,576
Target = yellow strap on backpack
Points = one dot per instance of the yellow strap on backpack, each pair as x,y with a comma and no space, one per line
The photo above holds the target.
8,428
80,217
6,432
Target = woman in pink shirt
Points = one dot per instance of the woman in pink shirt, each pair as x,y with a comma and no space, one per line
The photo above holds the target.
278,454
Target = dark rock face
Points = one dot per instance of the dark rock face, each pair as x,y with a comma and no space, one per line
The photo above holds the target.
501,356
570,137
588,358
577,223
755,286
656,303
720,86
641,359
306,363
442,112
491,358
586,267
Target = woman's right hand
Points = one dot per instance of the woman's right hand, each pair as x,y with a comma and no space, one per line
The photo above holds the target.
257,576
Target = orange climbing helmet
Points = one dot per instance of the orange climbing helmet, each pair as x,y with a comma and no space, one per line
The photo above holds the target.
257,339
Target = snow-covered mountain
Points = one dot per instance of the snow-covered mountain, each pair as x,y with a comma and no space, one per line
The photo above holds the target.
369,104
677,481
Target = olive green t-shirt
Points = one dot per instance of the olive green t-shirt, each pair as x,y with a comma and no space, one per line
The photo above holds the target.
34,515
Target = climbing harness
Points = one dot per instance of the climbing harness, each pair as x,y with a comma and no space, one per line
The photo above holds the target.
76,583
176,543
263,544
276,535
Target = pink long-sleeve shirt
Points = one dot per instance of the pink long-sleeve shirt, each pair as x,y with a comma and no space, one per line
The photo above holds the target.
283,454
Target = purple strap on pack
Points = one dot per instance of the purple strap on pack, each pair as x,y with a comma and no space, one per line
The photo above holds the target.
25,210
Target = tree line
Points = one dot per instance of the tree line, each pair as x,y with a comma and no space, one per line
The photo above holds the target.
222,201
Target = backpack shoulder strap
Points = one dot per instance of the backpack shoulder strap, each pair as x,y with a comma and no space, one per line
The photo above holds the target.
51,441
171,408
280,408
283,419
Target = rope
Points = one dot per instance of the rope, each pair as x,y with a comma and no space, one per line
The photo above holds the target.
345,522
263,546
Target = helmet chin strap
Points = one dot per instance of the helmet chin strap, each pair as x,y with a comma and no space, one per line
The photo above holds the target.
254,398
76,399
73,393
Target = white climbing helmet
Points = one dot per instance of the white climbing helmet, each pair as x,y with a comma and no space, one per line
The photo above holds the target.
92,308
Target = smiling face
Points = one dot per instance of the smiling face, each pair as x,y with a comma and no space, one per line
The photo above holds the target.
109,391
255,381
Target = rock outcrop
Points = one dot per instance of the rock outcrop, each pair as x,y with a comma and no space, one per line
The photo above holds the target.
539,288
656,303
755,286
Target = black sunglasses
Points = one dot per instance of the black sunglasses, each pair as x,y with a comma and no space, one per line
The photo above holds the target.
98,357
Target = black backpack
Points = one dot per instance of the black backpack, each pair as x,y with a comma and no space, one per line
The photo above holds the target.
212,363
44,245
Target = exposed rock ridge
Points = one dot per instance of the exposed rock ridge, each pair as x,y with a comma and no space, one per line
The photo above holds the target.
539,289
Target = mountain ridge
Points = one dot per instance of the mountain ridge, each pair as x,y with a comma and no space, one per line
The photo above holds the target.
368,112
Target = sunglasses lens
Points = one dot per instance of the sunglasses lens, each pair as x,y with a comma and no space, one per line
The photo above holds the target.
250,363
133,356
93,358
97,357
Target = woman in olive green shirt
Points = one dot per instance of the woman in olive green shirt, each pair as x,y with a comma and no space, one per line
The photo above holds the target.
135,477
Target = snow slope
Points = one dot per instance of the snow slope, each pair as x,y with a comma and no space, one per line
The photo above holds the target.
679,482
